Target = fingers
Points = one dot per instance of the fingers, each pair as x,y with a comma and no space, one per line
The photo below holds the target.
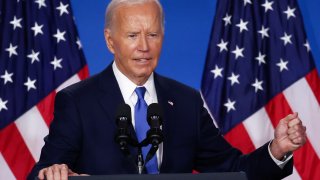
297,132
64,172
71,173
41,173
294,122
290,117
49,173
54,172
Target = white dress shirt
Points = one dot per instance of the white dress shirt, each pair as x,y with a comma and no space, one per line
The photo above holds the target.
127,88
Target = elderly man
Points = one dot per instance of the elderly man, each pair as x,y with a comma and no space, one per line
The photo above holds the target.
81,138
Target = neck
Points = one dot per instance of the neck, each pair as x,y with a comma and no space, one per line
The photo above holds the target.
139,81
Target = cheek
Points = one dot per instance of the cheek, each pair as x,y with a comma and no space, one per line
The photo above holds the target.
126,49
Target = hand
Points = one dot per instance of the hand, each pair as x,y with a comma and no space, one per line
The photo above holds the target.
290,134
57,172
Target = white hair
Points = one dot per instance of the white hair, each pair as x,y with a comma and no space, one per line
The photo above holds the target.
117,3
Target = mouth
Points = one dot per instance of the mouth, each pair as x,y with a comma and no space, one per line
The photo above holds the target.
142,60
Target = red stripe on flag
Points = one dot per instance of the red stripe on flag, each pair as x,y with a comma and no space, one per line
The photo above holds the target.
277,109
307,164
46,106
305,158
239,138
314,83
15,151
84,72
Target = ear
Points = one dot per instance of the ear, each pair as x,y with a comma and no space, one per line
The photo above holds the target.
109,40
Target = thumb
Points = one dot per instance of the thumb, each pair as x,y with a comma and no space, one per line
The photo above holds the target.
290,117
71,173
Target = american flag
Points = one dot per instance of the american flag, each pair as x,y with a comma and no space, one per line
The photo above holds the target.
40,53
259,68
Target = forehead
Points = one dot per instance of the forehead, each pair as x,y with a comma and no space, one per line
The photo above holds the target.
146,14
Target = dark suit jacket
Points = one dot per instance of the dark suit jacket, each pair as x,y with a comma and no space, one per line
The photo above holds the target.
82,133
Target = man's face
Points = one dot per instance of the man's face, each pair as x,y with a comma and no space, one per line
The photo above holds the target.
136,40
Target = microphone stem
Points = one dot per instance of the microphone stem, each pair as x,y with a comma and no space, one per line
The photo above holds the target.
140,161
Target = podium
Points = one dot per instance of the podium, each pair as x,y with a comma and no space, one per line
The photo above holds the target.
201,176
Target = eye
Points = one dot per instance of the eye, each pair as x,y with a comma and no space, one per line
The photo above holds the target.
153,35
132,36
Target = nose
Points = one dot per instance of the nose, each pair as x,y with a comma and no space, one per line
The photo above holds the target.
143,44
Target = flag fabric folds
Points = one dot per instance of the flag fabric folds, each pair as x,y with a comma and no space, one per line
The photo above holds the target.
40,53
259,68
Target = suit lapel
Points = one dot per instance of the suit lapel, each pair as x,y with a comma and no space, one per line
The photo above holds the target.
166,101
111,98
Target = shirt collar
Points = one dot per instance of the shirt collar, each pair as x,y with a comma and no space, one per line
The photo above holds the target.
127,87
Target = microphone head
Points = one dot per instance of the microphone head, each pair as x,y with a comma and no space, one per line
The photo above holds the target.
123,115
154,115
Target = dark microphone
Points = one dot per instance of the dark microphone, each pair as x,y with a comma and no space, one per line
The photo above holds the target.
123,119
154,135
154,118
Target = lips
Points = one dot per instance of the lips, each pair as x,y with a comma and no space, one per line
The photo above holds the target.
142,59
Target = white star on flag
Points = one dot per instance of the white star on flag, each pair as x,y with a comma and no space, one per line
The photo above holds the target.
16,22
227,19
264,32
282,65
234,79
12,50
260,58
3,105
37,29
290,12
33,32
245,2
217,72
257,85
223,45
307,45
7,77
242,25
238,52
60,36
267,6
79,43
30,84
275,65
41,3
56,63
230,105
286,39
34,56
63,8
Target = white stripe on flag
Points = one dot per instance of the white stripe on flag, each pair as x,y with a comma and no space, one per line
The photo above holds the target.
75,78
302,100
293,176
33,129
259,128
206,106
5,171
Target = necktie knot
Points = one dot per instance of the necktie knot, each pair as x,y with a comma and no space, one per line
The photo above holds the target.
140,91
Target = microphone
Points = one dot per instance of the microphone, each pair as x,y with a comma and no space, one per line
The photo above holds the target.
154,118
123,118
154,135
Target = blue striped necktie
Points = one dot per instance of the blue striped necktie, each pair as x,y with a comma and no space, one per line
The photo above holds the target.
141,126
